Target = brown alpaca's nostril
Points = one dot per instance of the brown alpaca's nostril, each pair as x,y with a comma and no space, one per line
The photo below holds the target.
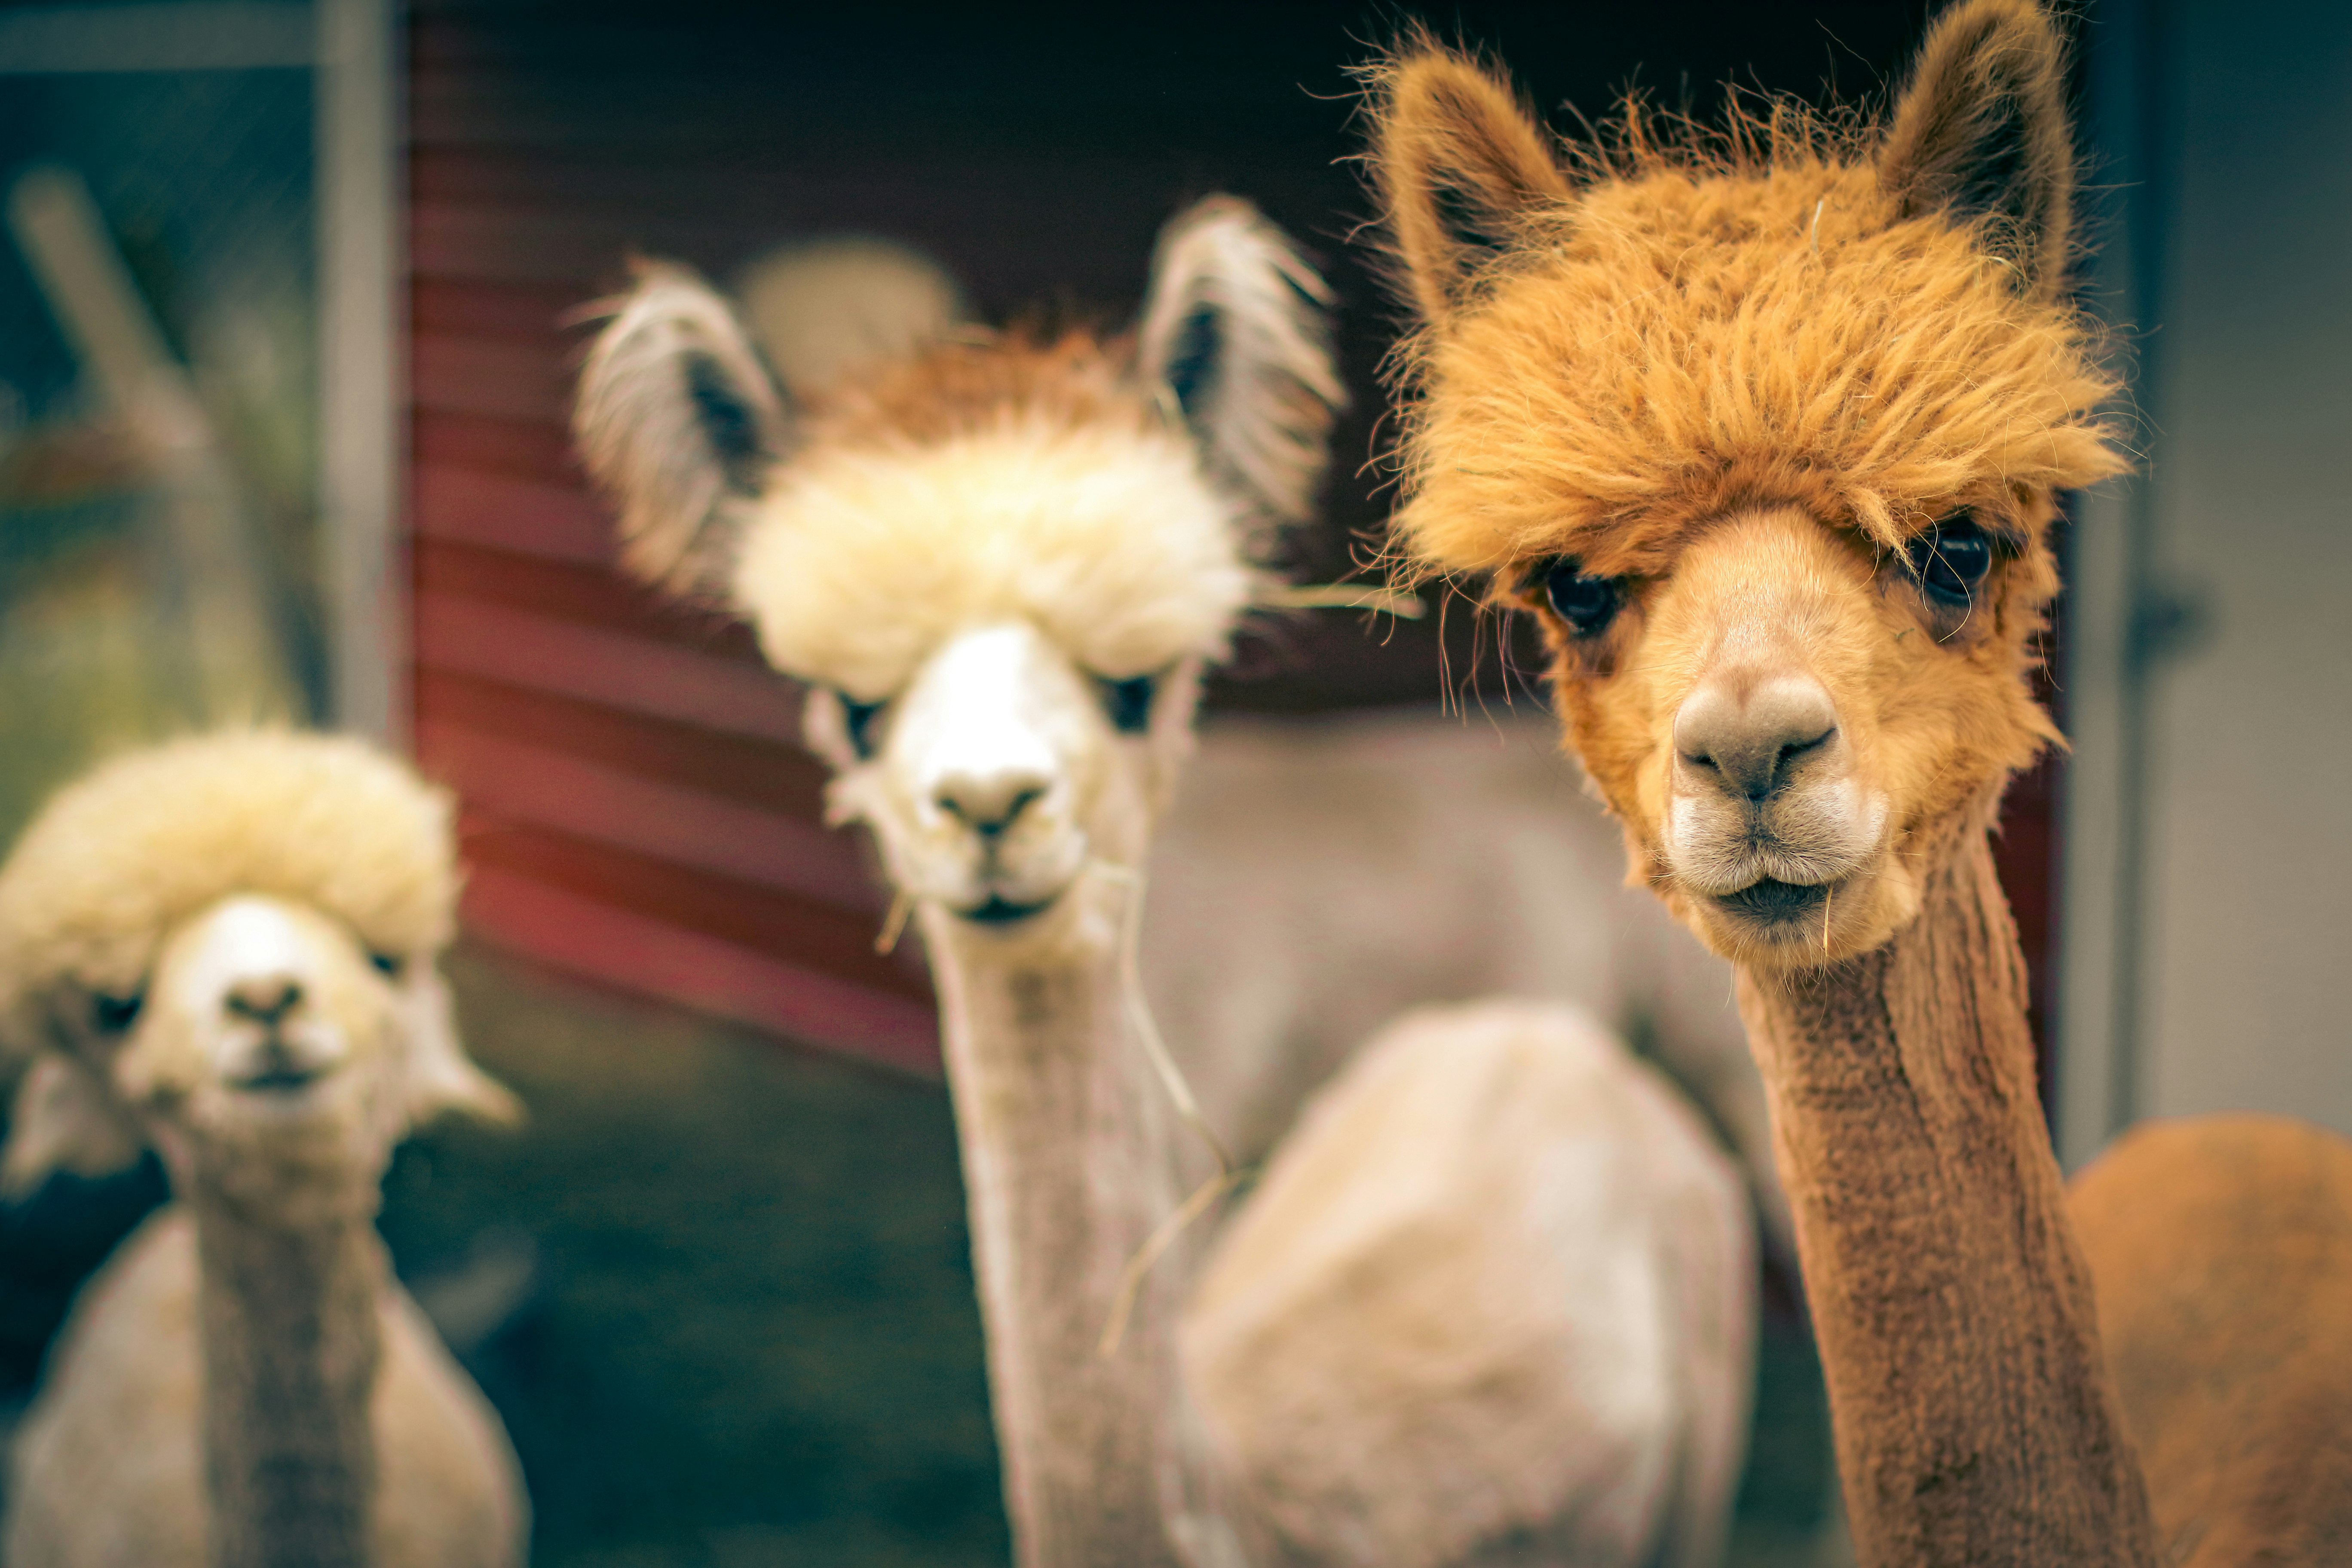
989,806
264,998
1754,739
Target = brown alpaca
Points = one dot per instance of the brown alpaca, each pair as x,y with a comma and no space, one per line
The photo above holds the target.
1767,428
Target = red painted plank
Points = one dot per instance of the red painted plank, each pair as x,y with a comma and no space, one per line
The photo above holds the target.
502,513
537,449
503,378
568,591
763,775
522,783
536,312
800,930
607,945
471,636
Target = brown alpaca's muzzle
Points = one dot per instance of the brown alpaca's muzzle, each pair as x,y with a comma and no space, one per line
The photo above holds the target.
1772,826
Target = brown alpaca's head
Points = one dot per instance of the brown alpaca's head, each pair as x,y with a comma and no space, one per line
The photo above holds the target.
1767,428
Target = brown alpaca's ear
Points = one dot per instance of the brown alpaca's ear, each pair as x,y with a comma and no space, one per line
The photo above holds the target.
679,422
1234,327
1980,131
1458,162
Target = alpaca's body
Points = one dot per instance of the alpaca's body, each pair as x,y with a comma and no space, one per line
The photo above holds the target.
226,948
107,1468
1769,431
1003,565
2221,1250
1492,1229
1315,880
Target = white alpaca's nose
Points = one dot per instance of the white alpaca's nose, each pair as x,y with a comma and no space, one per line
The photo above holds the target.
978,729
258,972
263,998
989,803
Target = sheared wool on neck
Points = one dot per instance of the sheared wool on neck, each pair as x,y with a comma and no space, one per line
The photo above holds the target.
1974,1419
292,1334
1070,1165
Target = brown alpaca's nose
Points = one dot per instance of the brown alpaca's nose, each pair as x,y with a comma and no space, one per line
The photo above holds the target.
264,998
1753,734
990,803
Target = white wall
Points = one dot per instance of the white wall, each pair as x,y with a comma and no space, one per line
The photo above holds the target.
2244,911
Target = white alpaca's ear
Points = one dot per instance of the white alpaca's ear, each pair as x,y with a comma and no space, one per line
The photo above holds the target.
442,1079
1236,328
679,422
63,1120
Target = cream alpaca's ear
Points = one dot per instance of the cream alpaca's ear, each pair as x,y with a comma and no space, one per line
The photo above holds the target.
1458,162
679,422
63,1120
1980,130
1235,327
442,1078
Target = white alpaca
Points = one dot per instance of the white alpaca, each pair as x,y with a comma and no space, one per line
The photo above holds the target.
226,947
1278,939
1004,563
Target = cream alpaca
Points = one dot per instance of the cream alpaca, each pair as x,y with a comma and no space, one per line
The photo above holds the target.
1769,431
227,947
1004,564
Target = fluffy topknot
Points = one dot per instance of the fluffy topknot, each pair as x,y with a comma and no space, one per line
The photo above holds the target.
1623,337
118,859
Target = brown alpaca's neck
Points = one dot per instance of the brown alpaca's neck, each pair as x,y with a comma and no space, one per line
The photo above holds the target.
1068,1169
292,1337
1975,1423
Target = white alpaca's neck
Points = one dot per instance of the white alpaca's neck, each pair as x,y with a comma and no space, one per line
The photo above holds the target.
1068,1168
289,1317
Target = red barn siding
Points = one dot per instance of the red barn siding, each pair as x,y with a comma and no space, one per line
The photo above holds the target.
637,808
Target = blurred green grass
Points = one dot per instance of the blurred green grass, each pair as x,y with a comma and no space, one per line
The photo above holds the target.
754,1339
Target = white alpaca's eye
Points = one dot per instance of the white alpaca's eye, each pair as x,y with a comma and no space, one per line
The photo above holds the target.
113,1014
857,723
1128,703
388,964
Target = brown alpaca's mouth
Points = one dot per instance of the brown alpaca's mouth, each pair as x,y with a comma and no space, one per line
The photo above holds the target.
1769,902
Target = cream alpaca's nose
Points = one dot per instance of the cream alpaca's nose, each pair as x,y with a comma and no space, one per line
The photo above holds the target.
1752,735
990,803
263,998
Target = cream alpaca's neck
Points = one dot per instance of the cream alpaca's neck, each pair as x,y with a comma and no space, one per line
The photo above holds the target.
289,1317
1975,1422
1068,1169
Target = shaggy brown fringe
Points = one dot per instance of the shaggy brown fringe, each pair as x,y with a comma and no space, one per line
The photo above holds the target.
1703,318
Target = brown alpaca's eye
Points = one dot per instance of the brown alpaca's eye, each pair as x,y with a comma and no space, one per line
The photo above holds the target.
1586,604
1950,560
